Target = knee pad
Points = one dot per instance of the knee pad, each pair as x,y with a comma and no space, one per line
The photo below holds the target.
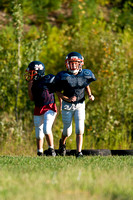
39,132
38,122
79,119
79,126
47,129
67,122
49,118
67,130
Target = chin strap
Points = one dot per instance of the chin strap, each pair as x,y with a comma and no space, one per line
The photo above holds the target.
74,71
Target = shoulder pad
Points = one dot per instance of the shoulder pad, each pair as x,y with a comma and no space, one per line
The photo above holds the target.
88,74
61,75
49,78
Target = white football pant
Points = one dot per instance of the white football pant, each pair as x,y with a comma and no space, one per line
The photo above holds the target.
68,111
43,123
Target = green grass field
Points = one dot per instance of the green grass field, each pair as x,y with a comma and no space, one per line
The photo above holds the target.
67,178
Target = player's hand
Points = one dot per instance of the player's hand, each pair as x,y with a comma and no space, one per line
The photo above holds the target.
91,97
73,99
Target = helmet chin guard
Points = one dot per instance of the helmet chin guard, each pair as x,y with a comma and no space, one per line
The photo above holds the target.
74,71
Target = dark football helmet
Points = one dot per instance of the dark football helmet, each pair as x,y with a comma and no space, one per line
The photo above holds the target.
35,71
74,62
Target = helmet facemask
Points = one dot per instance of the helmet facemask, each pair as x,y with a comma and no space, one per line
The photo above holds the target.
35,71
74,62
30,75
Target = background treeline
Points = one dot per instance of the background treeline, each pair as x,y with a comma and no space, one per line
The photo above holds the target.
47,30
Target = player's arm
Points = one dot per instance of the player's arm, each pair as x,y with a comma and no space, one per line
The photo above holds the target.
60,100
65,98
88,90
30,83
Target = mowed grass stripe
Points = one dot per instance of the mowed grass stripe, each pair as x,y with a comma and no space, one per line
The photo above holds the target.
92,177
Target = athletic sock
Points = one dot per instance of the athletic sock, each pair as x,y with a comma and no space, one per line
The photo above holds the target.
51,147
40,150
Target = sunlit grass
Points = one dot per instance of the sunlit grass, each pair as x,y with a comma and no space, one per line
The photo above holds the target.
66,177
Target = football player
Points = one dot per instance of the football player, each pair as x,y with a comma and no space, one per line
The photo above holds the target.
45,108
70,87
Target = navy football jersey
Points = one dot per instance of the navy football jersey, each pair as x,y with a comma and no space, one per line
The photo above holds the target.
74,85
40,91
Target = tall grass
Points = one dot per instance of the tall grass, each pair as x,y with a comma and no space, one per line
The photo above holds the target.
102,178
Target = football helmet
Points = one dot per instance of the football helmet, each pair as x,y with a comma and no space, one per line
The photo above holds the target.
35,71
74,62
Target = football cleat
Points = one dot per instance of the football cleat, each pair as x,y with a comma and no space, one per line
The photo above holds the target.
51,152
40,154
62,148
79,155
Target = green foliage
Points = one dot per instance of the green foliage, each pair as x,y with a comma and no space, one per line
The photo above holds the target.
114,95
8,68
47,31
